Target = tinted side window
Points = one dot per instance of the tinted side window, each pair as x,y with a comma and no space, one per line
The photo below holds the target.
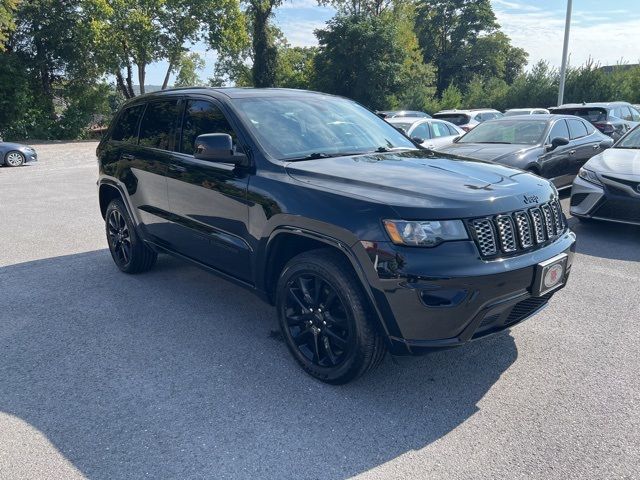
635,115
439,130
576,129
452,130
626,114
421,131
126,128
559,129
158,124
589,128
202,117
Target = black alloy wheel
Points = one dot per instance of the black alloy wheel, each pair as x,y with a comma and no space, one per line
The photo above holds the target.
317,320
325,317
120,237
128,251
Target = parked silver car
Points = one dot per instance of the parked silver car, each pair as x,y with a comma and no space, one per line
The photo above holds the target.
428,132
525,111
467,119
15,154
608,185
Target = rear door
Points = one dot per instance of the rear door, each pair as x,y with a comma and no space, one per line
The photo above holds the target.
584,144
207,200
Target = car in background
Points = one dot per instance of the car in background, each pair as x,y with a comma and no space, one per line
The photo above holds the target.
608,186
552,146
428,132
402,113
467,119
16,154
612,118
512,112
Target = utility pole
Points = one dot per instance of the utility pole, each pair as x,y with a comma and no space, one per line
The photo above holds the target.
565,52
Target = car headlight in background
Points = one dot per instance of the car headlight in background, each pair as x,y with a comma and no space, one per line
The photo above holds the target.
425,233
589,176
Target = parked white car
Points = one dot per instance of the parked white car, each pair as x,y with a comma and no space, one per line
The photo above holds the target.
428,132
467,119
525,111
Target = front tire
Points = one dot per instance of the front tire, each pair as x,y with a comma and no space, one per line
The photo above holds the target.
14,159
128,251
324,318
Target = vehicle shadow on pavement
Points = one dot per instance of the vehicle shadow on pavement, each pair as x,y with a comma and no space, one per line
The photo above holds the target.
595,239
174,374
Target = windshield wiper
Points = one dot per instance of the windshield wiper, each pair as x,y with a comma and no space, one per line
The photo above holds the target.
316,156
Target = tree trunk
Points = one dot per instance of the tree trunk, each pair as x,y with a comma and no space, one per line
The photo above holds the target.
121,85
132,93
141,74
168,74
264,62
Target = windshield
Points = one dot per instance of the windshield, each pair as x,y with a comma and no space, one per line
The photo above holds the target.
295,128
455,118
589,114
507,131
632,140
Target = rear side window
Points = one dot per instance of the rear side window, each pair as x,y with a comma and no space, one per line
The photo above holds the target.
440,130
126,128
421,131
635,115
202,117
451,129
577,129
589,114
455,118
559,129
158,124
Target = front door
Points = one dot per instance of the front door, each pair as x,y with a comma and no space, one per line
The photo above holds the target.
556,163
207,199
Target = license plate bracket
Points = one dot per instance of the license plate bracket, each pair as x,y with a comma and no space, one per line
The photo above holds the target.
550,275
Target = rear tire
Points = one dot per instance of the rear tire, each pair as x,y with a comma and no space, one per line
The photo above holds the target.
128,251
325,318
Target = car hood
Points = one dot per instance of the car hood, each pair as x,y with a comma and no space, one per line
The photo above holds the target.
12,146
616,160
412,181
486,151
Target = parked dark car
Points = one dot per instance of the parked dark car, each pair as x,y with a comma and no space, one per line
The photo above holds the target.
612,118
552,146
608,186
16,154
402,113
363,241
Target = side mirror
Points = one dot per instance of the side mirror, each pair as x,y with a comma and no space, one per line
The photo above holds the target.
559,142
217,147
418,140
607,143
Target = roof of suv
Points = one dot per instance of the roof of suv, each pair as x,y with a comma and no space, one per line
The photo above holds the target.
234,92
591,104
472,110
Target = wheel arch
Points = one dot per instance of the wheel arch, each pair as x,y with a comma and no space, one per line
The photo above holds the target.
287,242
106,194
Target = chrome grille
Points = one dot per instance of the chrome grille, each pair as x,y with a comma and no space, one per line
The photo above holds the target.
518,230
523,226
506,234
538,226
548,220
485,236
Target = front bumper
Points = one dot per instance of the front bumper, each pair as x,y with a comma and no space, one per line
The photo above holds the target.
616,201
462,298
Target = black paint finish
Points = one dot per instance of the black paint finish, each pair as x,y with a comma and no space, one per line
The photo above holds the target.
228,219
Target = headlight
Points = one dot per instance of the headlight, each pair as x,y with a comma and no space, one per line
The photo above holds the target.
425,233
589,176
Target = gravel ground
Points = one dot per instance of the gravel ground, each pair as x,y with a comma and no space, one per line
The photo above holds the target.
177,374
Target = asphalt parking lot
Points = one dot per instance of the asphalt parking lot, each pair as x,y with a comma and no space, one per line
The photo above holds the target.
178,374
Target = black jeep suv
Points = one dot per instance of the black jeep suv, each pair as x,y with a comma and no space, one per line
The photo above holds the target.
363,241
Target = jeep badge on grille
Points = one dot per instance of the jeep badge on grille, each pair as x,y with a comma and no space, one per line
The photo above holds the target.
530,199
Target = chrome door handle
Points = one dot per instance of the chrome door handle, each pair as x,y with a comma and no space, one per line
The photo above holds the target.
572,152
596,147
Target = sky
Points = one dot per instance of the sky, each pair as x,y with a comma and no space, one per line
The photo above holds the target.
608,31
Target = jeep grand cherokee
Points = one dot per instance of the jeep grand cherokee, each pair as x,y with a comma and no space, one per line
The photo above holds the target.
363,241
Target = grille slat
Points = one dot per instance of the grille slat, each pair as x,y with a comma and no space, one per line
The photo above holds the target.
520,230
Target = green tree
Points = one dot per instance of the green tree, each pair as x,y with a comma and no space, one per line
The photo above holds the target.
295,67
263,38
188,74
136,33
360,7
461,39
7,20
451,98
364,57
